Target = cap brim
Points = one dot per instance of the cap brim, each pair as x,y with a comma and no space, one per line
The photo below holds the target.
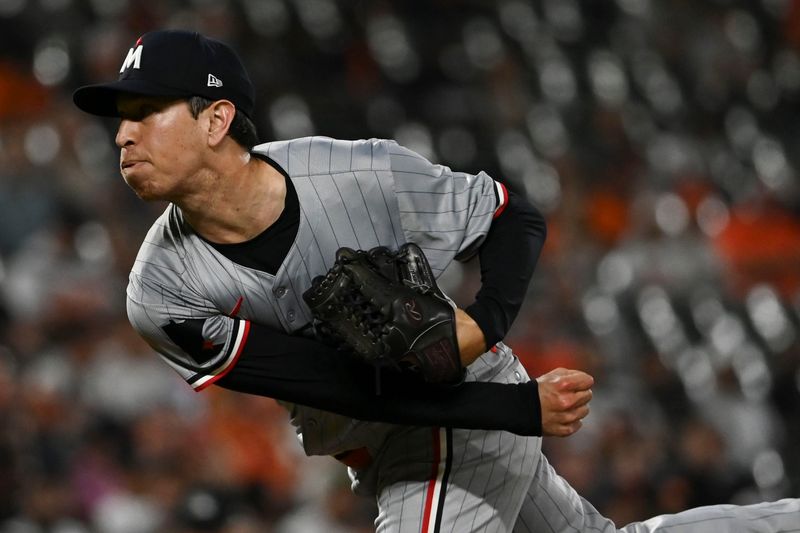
101,99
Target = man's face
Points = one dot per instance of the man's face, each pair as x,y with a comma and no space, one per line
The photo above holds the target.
161,146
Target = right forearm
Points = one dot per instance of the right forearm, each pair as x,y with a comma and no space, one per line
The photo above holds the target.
303,371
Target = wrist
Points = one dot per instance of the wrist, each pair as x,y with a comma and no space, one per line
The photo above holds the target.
471,340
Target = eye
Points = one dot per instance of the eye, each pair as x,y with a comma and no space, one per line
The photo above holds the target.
138,113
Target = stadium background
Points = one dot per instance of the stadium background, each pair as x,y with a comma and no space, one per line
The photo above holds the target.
659,138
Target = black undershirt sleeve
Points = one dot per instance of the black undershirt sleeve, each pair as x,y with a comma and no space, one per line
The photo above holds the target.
306,372
508,258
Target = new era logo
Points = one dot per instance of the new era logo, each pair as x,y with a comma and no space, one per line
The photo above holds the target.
214,81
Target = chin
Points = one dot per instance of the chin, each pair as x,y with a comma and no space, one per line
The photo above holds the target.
142,188
146,196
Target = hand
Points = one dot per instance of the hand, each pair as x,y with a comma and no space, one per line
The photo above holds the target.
564,396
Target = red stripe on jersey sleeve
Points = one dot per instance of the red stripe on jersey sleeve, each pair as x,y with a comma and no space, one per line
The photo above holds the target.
232,363
502,194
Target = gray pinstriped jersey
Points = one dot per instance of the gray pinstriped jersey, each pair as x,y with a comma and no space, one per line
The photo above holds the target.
359,194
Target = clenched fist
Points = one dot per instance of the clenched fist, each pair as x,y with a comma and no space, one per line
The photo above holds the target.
564,396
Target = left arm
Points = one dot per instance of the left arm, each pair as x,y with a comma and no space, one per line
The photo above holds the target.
508,257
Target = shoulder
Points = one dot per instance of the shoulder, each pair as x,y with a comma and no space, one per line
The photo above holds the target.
307,156
404,159
162,252
161,284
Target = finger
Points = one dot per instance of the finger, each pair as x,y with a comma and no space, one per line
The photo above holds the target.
581,412
568,401
569,429
582,398
573,415
575,427
575,381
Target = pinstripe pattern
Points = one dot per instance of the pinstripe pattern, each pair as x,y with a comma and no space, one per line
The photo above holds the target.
552,506
363,194
489,475
359,194
501,483
447,213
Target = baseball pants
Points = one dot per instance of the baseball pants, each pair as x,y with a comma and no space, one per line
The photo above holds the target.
450,480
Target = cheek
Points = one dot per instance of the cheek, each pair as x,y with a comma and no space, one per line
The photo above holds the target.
184,157
178,147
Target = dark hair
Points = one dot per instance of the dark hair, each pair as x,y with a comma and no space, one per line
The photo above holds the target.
242,129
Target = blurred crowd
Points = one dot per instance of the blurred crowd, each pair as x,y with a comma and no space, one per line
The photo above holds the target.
658,137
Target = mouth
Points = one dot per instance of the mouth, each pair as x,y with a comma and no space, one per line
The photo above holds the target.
128,164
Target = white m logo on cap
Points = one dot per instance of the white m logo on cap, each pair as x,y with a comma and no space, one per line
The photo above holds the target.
214,81
134,58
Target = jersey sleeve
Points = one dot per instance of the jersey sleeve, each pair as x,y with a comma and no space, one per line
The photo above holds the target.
453,215
446,213
197,341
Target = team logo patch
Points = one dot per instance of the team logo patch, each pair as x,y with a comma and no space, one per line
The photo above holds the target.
188,335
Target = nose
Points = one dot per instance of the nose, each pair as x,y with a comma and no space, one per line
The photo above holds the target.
126,133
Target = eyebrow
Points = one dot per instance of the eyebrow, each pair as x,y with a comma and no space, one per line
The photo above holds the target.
134,104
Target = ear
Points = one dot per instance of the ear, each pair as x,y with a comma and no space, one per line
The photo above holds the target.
220,117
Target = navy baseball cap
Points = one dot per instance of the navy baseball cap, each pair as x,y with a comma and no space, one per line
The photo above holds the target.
173,63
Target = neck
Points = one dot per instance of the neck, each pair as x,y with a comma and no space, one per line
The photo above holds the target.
236,201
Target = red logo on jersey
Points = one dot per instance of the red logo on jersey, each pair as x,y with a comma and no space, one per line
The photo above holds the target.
235,310
188,335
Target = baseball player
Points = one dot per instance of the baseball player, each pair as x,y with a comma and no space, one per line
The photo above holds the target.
216,290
